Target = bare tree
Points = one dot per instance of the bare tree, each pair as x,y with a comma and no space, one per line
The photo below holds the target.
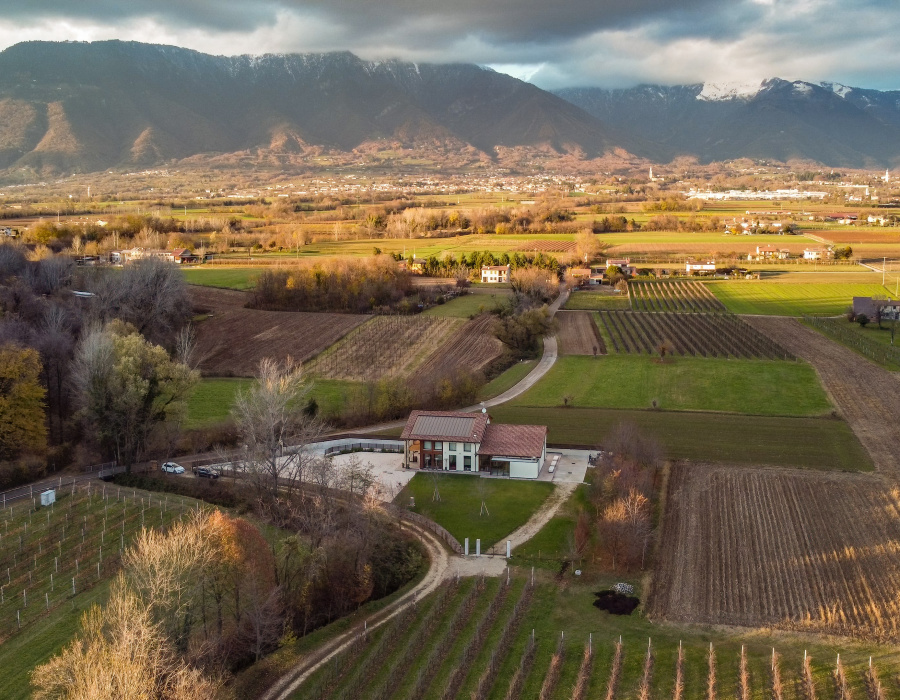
276,432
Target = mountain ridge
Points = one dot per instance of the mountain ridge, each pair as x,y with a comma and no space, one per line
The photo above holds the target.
110,104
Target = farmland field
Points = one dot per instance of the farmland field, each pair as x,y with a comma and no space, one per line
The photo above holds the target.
84,529
276,334
697,335
871,342
811,443
225,277
507,380
469,348
796,550
763,298
578,334
696,384
486,639
586,300
867,395
468,305
384,346
673,296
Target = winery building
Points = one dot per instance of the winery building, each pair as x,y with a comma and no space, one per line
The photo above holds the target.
469,442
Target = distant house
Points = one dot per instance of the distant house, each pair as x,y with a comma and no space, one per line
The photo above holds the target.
623,264
454,441
816,253
415,266
889,308
693,267
182,256
769,252
580,276
8,232
495,274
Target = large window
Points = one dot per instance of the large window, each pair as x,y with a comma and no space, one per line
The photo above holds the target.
451,446
467,464
453,462
432,454
467,447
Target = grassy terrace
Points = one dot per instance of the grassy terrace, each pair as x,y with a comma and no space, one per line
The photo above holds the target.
510,504
764,298
759,387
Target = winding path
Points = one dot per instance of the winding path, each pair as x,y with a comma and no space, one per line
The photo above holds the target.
442,564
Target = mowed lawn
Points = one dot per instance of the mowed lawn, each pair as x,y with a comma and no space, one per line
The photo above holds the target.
791,299
225,277
468,305
809,443
510,504
759,387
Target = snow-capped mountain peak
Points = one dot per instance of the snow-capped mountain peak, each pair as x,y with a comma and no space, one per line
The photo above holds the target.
714,92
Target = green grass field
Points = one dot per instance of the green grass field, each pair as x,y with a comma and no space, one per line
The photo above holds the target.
225,277
809,443
468,305
763,298
510,503
758,387
507,380
595,301
211,401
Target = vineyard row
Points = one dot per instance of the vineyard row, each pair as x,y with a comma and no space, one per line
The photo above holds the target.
688,334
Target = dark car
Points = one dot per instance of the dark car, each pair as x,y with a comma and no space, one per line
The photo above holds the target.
206,473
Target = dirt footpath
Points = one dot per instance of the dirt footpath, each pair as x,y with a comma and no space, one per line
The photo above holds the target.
866,395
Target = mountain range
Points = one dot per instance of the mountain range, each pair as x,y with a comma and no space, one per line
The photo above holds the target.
774,119
80,107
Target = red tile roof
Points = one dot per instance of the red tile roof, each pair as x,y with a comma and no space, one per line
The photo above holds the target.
514,441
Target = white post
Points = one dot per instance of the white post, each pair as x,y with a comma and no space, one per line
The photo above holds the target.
478,547
467,547
508,548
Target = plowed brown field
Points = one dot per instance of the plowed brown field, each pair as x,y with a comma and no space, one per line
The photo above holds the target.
792,549
471,347
578,334
867,395
234,339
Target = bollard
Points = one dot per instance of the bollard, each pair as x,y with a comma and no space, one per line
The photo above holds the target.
478,547
508,549
467,547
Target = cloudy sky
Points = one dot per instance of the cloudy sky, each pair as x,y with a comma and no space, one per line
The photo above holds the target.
552,43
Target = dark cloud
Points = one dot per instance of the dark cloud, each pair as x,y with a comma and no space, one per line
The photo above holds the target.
502,20
553,44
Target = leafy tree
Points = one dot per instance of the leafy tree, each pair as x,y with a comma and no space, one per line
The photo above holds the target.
128,387
862,320
22,425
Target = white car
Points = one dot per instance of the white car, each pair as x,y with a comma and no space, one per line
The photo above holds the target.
172,468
